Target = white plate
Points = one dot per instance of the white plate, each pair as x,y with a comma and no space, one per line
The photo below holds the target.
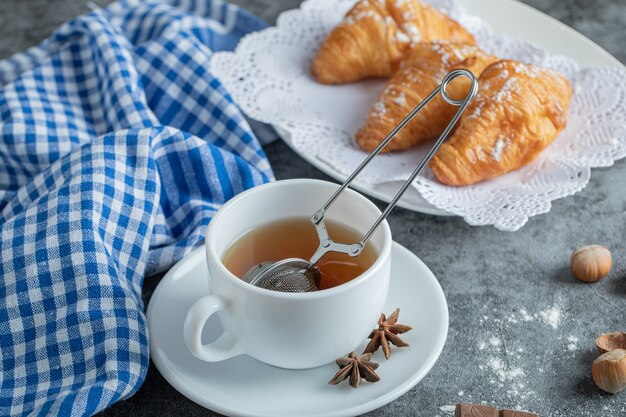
243,386
508,17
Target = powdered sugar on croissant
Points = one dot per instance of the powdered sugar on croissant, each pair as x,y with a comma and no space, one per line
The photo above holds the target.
376,34
420,73
518,111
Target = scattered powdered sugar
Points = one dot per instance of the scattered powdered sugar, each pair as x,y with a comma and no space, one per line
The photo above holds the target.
508,362
471,156
408,15
400,99
501,144
502,363
401,37
494,341
551,316
476,113
503,371
449,409
361,15
525,315
572,343
389,21
478,152
530,71
412,77
505,93
379,108
452,54
461,393
412,31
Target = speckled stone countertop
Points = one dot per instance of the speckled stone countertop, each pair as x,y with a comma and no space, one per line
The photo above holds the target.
522,329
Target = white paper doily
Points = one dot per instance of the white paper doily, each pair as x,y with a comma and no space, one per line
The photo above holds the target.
268,76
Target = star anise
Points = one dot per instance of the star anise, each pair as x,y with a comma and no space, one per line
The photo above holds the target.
387,331
355,367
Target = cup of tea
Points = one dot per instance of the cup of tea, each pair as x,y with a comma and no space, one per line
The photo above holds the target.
291,330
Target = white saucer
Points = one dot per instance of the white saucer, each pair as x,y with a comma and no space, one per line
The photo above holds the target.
242,386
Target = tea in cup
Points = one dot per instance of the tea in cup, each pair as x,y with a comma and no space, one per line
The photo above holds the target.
291,330
296,238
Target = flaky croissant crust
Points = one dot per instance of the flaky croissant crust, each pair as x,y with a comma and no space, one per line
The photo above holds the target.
420,73
376,34
518,111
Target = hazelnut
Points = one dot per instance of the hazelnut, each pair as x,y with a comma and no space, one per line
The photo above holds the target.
611,341
591,263
609,371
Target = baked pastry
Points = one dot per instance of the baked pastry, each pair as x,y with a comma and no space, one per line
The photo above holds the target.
518,111
420,73
376,34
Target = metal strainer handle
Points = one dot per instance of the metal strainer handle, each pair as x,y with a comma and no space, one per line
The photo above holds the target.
326,244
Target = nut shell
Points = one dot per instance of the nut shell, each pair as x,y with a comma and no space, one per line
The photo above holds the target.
591,263
611,341
609,371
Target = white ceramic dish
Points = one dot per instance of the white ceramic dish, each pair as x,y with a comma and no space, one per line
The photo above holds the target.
508,17
242,386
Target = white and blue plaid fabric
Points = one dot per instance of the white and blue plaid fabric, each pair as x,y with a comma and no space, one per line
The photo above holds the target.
116,148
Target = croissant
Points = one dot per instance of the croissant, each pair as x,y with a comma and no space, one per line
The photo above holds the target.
420,72
518,111
376,34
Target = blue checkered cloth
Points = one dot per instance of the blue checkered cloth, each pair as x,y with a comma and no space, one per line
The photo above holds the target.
117,146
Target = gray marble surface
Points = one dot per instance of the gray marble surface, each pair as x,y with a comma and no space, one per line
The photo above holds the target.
505,290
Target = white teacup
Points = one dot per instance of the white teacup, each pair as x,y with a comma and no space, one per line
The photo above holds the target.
289,330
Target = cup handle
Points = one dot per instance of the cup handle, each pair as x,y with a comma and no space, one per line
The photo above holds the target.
226,346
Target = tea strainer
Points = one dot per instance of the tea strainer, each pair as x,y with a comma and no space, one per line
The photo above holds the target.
299,275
